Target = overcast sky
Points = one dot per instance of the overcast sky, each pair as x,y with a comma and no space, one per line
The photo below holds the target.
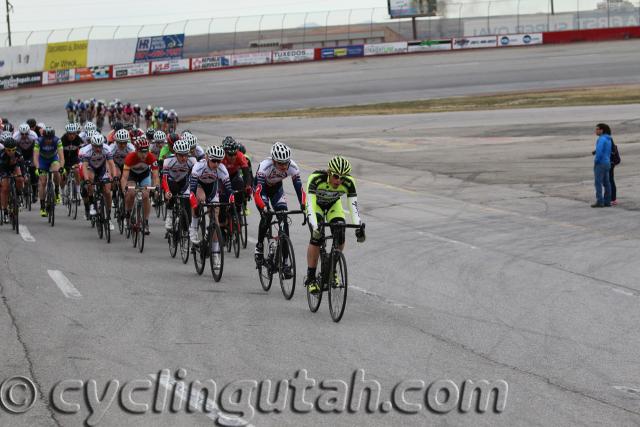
31,15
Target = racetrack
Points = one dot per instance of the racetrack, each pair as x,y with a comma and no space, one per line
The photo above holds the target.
482,260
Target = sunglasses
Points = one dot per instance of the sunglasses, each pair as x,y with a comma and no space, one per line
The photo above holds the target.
10,150
336,176
214,160
143,151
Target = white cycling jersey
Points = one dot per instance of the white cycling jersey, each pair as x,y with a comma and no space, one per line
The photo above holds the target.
93,158
27,141
119,155
271,175
203,174
176,171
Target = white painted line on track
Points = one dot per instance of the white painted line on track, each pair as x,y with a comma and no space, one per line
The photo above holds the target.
381,298
26,236
64,284
623,292
168,383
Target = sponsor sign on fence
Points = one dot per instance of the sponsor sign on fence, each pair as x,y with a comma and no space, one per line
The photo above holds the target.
159,48
129,70
475,42
58,76
66,55
342,52
429,45
209,62
92,73
256,58
385,48
21,80
171,66
519,39
22,59
295,55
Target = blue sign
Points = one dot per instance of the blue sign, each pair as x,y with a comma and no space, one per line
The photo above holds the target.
159,48
342,52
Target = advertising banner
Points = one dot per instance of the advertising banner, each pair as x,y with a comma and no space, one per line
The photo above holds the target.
342,52
21,80
129,70
475,42
66,55
58,76
209,62
429,45
293,55
385,48
22,59
255,58
520,39
92,73
171,66
159,48
410,8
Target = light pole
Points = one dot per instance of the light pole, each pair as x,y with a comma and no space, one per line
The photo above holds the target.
9,9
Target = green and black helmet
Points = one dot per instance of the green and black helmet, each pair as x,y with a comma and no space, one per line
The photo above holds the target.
340,165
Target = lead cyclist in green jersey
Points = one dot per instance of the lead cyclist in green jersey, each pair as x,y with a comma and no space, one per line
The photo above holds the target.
325,189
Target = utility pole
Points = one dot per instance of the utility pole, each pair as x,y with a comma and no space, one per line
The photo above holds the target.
9,9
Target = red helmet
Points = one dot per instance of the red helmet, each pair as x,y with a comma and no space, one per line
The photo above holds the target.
142,143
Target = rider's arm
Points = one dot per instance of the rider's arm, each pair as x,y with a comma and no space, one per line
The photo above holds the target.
352,199
125,177
113,169
311,200
36,155
297,184
61,155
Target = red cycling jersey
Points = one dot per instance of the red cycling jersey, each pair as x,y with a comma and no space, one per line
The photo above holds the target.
239,162
140,167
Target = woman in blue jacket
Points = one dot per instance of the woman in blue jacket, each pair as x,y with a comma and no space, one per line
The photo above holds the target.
602,166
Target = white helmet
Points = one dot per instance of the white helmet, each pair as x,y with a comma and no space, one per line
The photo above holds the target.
181,147
90,134
215,152
90,126
70,127
97,140
24,128
122,135
280,152
190,139
159,136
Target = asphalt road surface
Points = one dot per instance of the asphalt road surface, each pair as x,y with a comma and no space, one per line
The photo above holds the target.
483,261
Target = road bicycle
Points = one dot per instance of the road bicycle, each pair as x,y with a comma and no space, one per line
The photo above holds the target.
209,232
135,225
280,258
179,233
231,229
13,209
332,277
71,194
99,220
50,198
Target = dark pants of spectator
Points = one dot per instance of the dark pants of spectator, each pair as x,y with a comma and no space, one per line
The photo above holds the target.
601,175
613,184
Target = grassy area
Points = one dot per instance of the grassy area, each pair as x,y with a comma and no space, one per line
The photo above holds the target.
603,95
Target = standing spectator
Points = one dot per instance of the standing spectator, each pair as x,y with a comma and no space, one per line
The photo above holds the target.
615,161
602,165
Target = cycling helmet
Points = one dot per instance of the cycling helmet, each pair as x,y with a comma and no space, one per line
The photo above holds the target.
97,140
41,125
280,152
71,128
230,145
181,147
5,135
159,136
49,132
9,127
190,139
9,143
339,165
31,123
122,135
23,128
118,125
150,132
215,152
128,126
90,126
142,143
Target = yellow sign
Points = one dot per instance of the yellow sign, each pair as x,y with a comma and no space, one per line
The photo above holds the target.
66,55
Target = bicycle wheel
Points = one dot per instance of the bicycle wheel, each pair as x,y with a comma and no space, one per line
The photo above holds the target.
140,219
338,286
265,272
135,227
163,207
75,200
99,218
314,300
185,242
243,227
105,224
157,207
52,204
235,233
200,250
14,208
27,191
287,281
216,270
173,235
67,198
120,213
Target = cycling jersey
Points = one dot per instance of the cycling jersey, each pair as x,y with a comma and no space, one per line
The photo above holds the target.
70,149
198,153
207,178
26,143
120,154
156,149
165,153
138,168
47,148
9,164
324,199
173,170
268,182
96,160
233,166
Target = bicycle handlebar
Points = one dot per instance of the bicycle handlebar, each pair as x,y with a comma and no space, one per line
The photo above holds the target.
341,225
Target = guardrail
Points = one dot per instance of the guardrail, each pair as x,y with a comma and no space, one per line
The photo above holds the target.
218,62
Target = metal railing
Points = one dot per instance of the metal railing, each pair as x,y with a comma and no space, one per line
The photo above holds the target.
341,26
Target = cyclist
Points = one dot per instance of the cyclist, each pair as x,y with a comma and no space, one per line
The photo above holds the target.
268,188
11,163
325,189
175,176
35,127
172,121
70,106
236,162
205,176
70,146
121,149
194,149
97,164
48,157
81,111
137,113
101,111
26,140
140,168
85,135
